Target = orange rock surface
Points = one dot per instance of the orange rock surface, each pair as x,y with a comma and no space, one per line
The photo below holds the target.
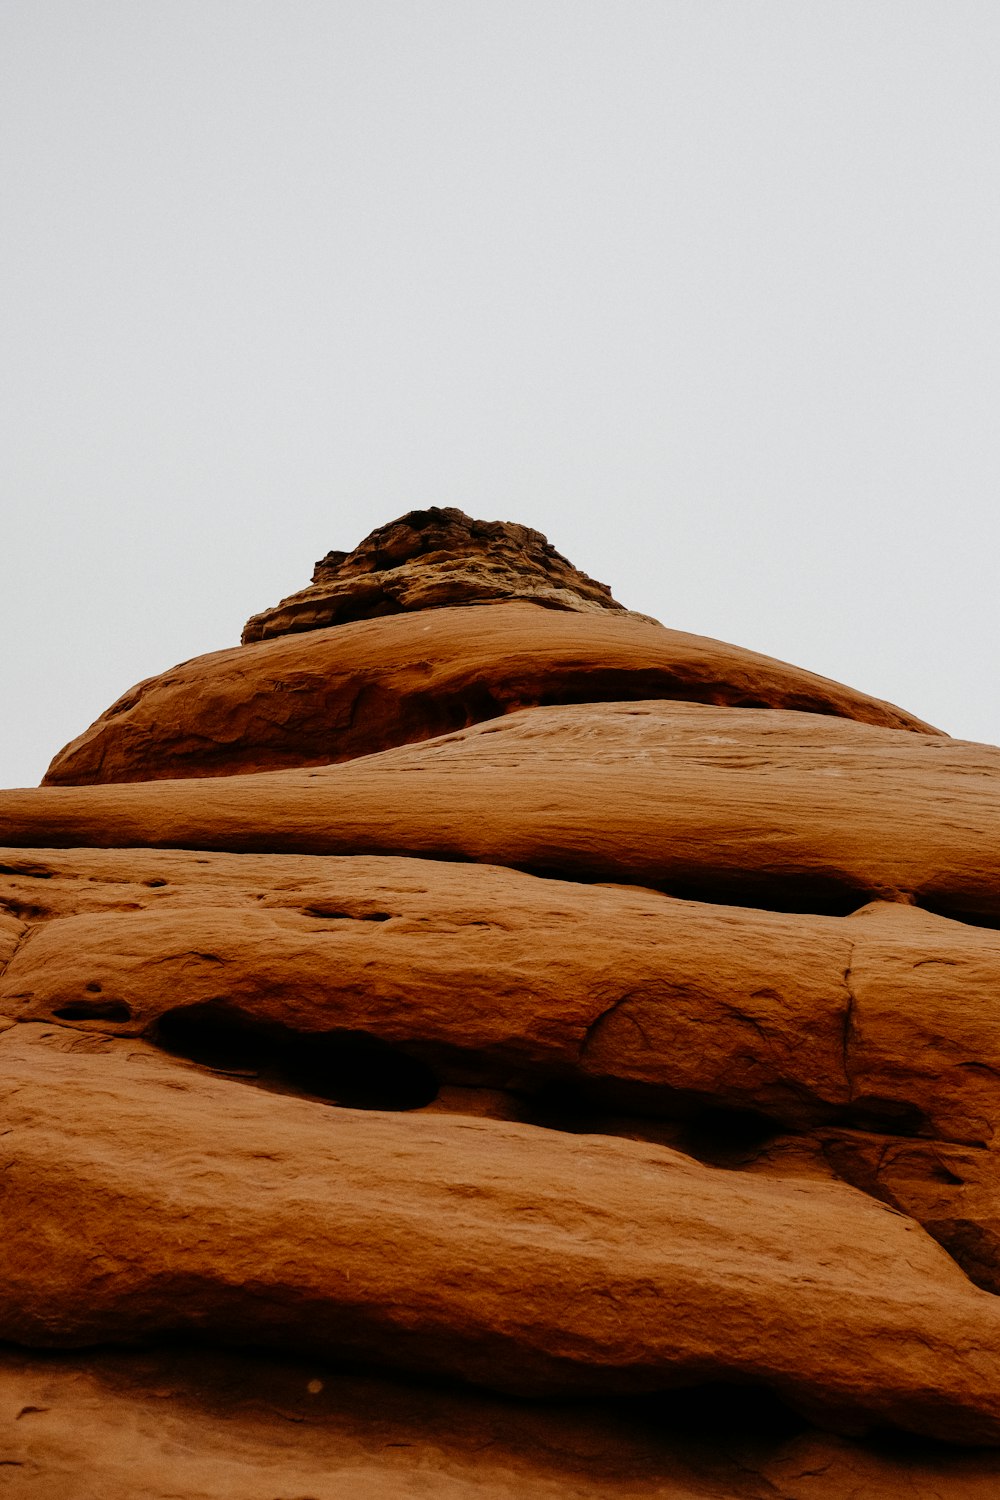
428,559
772,808
333,694
531,1262
492,977
471,982
226,1426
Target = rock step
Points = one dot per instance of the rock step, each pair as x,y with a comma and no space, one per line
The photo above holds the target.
164,1201
335,694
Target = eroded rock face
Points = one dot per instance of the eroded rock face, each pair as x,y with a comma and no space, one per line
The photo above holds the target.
488,977
335,694
750,807
518,996
440,622
530,1262
430,558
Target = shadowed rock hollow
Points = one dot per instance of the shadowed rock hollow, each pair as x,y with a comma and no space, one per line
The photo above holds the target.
473,1040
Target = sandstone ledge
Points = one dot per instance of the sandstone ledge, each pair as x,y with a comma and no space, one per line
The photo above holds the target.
760,807
212,1425
331,695
519,1259
488,977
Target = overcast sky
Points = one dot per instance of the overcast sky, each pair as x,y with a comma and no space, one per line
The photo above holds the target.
707,290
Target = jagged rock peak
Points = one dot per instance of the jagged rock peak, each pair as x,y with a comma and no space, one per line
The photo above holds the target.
429,558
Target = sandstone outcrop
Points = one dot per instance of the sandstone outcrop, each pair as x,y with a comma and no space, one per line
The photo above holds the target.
489,977
760,807
531,1262
430,558
209,1425
333,694
476,1041
11,932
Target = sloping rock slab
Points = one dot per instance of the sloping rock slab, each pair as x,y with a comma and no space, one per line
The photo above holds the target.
335,694
213,1426
159,1199
773,809
495,977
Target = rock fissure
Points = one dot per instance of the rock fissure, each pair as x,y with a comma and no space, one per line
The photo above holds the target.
593,1027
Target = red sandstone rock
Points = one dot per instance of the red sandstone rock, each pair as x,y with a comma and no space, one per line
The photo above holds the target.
334,694
429,558
491,976
233,1198
11,932
801,1018
211,1426
954,1190
524,1260
775,809
496,978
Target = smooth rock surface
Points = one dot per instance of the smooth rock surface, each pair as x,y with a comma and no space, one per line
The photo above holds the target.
519,1259
212,1426
330,695
760,807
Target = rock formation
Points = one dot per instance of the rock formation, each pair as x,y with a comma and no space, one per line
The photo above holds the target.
470,1040
430,558
333,694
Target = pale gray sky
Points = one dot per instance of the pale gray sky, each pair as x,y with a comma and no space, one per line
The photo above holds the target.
707,290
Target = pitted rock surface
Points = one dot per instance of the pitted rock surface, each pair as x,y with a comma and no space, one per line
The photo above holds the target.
429,558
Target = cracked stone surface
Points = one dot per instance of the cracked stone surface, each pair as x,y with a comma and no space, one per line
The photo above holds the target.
475,1041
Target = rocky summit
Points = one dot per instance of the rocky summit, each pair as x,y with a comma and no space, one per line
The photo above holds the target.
430,558
472,1040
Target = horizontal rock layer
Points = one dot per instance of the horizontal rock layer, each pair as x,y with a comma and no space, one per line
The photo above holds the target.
518,1259
491,977
223,1426
774,809
331,695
